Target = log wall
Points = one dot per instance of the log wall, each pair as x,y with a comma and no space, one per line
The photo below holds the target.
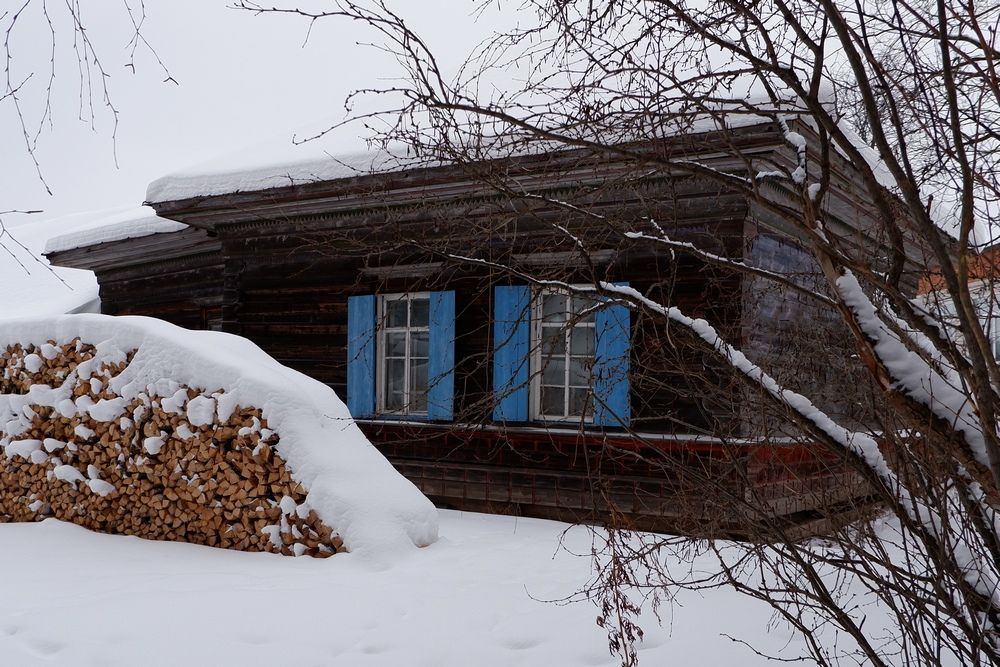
287,282
702,487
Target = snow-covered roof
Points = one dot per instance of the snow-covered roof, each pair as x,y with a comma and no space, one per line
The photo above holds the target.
248,171
108,225
288,160
285,162
311,154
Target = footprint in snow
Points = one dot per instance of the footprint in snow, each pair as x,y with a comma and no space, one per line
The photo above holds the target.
44,647
521,643
375,648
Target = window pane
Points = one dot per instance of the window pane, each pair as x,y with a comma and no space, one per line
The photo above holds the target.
552,401
553,307
418,386
553,341
419,312
418,344
395,313
405,349
554,371
579,402
394,379
395,344
582,341
418,402
582,303
418,375
579,372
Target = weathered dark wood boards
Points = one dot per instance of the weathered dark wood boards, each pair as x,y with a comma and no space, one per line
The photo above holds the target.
695,486
175,276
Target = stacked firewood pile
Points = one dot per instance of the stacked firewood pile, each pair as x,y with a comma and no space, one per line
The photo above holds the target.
169,463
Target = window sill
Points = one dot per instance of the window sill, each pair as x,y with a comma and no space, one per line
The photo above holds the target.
559,428
396,418
597,431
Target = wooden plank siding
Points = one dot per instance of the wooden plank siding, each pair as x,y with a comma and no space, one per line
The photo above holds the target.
290,279
648,483
175,277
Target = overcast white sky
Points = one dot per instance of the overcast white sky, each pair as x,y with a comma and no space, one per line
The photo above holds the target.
242,78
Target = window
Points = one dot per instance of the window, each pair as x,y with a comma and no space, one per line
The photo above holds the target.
560,357
404,353
401,355
564,348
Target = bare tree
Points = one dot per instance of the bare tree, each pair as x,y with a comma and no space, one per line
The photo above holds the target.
29,80
909,94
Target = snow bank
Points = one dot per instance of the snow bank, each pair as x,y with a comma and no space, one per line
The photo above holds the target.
349,485
31,287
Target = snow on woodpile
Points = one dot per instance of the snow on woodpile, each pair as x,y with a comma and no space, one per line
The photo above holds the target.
132,425
107,226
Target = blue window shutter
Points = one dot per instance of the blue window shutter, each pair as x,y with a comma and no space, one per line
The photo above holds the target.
441,365
511,342
361,356
611,366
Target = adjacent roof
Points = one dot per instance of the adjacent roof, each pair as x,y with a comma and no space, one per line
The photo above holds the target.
983,265
96,227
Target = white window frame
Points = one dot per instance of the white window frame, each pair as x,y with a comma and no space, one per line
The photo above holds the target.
536,366
381,368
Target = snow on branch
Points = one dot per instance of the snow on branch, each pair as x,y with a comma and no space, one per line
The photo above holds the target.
718,260
911,374
858,444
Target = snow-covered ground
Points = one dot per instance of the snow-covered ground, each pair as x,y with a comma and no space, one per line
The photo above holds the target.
484,594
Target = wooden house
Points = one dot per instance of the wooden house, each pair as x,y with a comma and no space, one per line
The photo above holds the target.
405,290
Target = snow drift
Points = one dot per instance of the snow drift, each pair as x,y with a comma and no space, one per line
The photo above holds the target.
198,382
